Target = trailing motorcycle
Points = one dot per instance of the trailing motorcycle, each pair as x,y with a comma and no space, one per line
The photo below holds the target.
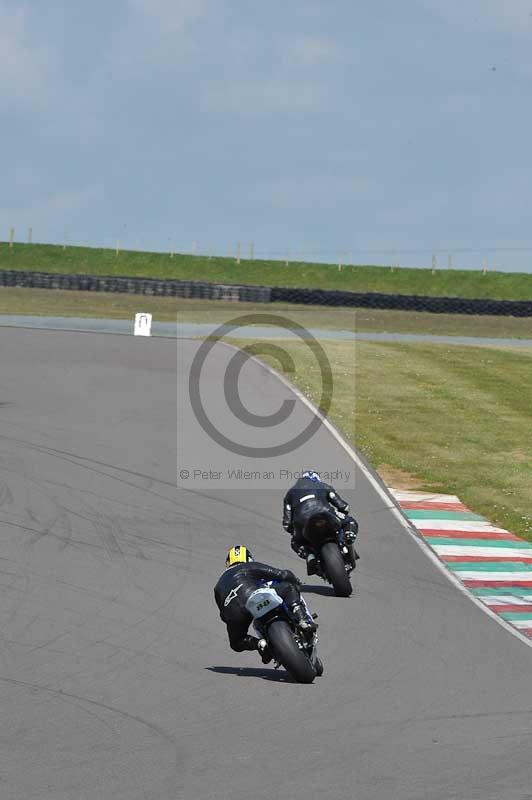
335,554
295,651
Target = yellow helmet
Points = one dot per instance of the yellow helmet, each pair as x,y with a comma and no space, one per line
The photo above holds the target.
239,554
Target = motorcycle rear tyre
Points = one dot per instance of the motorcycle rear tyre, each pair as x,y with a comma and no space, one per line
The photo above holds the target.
335,569
286,651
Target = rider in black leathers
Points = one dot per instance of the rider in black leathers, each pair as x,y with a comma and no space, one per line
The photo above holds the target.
308,497
240,579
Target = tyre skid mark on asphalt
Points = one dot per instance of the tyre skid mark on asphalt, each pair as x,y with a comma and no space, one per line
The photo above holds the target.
85,462
71,697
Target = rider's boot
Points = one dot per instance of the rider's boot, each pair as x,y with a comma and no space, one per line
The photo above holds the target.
302,618
350,530
310,558
312,564
264,651
347,536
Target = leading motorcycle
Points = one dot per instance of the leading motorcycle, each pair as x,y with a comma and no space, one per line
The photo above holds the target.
336,557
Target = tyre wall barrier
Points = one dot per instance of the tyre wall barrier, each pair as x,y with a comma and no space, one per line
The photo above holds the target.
145,286
403,302
265,294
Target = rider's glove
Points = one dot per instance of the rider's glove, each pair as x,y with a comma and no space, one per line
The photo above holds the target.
289,577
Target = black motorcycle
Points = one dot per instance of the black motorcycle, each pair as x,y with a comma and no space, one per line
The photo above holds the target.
296,652
335,556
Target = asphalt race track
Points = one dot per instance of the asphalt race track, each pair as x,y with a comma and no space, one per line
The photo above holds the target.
116,679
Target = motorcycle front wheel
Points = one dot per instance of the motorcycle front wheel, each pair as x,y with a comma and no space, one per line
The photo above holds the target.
335,569
287,653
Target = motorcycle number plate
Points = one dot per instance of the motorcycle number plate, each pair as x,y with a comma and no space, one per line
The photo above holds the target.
261,601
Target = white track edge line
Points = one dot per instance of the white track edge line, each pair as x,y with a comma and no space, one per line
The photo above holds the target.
412,532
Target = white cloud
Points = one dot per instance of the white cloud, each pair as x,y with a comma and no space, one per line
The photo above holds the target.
159,33
26,68
316,191
51,210
253,98
66,200
307,51
510,16
170,16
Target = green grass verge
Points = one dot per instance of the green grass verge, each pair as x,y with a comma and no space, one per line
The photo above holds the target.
95,261
447,419
52,302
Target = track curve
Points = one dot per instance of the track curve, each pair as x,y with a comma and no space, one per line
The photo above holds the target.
116,679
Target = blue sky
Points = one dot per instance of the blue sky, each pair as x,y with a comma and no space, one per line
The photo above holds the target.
306,125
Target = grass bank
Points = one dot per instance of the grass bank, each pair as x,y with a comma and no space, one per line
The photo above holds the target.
437,418
97,261
102,305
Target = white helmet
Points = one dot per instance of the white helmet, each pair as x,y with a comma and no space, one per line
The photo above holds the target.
311,475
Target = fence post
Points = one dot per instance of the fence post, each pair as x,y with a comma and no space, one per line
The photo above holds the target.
11,236
434,264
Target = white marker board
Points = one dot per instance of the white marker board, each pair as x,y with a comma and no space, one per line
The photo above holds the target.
142,324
